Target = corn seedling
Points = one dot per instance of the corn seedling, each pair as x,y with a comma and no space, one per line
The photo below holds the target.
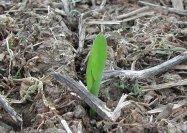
96,64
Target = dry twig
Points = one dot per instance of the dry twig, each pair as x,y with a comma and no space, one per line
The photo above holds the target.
82,32
91,100
135,12
103,22
146,73
11,54
181,67
65,125
65,4
163,7
112,22
178,4
165,85
103,4
15,116
175,106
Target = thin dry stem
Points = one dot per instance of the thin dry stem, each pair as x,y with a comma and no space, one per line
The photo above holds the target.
94,102
147,73
15,116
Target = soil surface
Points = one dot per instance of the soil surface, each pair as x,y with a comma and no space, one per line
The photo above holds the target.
38,37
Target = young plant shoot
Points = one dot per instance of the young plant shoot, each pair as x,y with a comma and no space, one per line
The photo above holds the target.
96,64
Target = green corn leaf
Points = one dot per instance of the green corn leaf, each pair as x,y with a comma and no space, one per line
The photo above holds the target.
96,64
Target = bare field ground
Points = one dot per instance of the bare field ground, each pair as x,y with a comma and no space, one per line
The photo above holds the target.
145,79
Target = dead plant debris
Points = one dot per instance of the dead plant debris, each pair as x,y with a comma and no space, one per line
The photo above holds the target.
41,37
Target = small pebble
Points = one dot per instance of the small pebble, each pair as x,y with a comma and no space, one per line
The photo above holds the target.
79,111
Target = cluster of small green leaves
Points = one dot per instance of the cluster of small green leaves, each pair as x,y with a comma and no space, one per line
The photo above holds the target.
134,90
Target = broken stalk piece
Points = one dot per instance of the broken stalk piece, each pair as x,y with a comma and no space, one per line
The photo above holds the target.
94,102
146,73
